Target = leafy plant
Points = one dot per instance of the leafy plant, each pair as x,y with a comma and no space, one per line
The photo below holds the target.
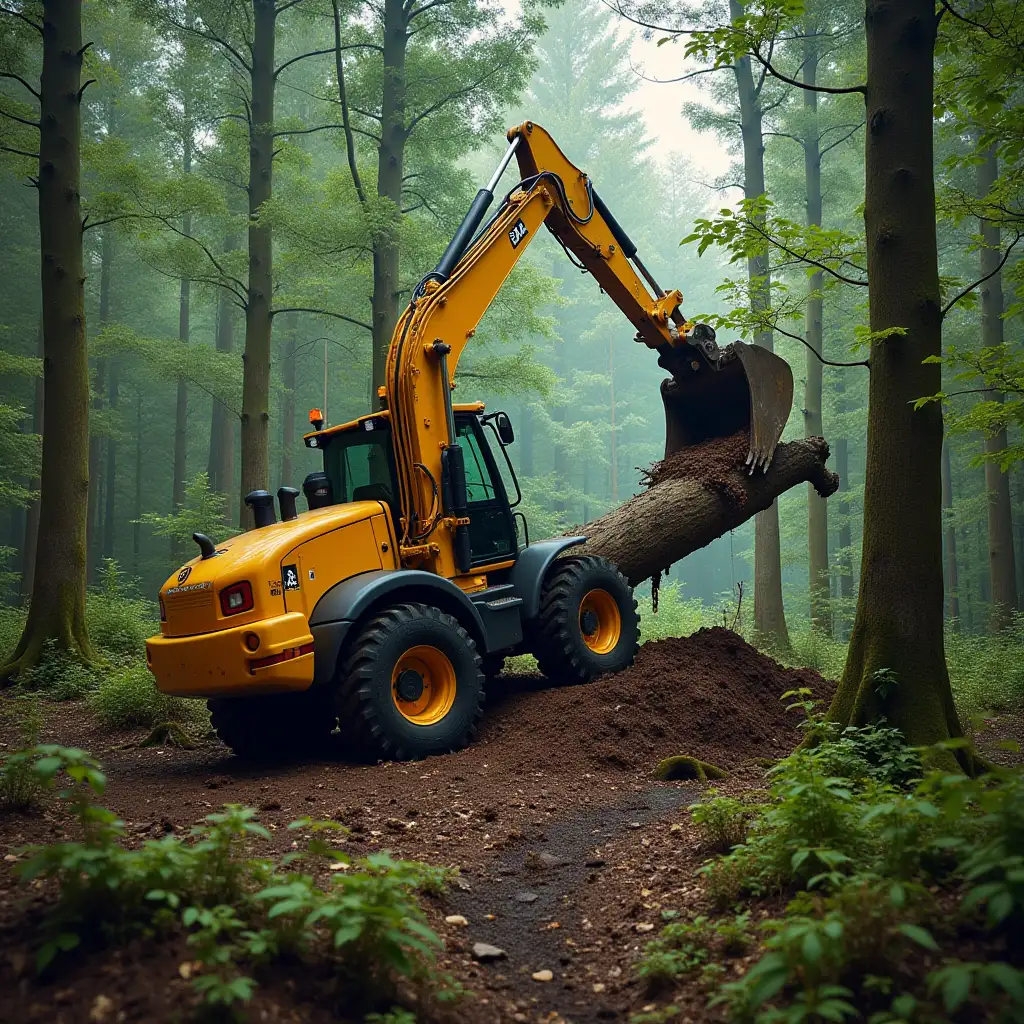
57,675
127,697
723,820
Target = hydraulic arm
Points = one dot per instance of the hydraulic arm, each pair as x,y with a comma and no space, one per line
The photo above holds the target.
713,391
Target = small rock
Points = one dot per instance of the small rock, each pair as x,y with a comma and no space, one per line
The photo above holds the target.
599,987
644,927
270,805
676,828
544,860
101,1008
634,824
338,865
595,862
10,858
526,897
544,975
456,919
486,954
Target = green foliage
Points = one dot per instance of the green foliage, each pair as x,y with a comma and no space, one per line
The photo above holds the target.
863,839
204,511
685,947
118,623
127,698
723,820
240,911
21,787
12,623
58,675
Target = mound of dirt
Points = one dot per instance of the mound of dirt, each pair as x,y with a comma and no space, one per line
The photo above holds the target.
710,695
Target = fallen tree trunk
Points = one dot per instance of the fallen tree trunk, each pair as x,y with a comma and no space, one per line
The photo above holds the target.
699,494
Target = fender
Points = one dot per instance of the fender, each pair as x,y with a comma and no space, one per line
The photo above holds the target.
531,567
350,600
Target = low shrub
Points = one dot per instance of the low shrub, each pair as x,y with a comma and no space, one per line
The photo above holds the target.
118,622
722,820
240,912
58,676
127,697
12,622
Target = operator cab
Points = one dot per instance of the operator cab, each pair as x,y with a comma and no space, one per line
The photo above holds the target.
359,465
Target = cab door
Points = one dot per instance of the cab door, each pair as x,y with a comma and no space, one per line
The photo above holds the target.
492,533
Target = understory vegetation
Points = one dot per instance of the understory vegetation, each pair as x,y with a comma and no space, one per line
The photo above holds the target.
904,890
235,912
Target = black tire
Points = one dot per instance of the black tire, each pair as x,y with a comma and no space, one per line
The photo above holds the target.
274,726
562,650
492,665
372,724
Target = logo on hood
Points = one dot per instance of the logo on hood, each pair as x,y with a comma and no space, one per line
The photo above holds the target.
184,574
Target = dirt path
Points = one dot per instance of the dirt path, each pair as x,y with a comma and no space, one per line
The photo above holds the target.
560,773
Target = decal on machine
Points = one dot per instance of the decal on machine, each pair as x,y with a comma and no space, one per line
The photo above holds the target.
517,234
275,588
184,574
290,574
187,589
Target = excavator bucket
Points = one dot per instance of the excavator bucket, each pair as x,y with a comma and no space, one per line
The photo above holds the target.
719,392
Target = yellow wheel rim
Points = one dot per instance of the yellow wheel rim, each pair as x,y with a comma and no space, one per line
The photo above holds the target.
423,685
600,621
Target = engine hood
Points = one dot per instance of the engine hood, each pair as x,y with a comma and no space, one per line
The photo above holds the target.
190,596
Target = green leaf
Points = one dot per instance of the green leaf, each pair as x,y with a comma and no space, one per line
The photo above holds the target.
919,935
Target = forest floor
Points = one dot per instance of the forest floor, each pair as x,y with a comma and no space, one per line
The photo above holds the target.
567,850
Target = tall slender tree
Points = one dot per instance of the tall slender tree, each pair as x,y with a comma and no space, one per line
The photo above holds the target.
57,606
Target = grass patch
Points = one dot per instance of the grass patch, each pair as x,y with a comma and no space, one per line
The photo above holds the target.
128,698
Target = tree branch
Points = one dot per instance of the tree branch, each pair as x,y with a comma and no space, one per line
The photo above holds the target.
839,142
804,258
20,120
981,280
817,355
323,312
831,90
19,79
301,56
306,131
346,120
23,17
18,152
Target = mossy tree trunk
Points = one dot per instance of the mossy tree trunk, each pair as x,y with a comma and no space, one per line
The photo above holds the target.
57,607
899,626
221,464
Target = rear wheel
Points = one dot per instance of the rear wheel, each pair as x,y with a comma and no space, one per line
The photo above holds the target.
588,624
274,726
410,685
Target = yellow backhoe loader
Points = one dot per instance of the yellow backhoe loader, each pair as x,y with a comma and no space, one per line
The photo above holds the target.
384,608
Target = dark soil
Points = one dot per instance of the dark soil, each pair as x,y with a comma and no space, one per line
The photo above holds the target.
558,771
712,463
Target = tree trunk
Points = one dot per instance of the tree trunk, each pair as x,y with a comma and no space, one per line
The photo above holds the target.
952,583
256,360
524,449
179,469
221,464
769,614
288,407
899,624
390,171
817,511
845,533
137,503
1001,567
93,522
32,515
679,515
111,474
57,608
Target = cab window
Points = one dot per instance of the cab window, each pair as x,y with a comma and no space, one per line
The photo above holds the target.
359,465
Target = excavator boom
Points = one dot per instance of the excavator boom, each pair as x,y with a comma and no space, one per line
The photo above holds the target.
713,391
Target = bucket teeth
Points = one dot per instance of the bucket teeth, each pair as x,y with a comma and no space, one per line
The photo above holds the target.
746,388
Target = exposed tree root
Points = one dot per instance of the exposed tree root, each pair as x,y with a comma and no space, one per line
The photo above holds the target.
684,767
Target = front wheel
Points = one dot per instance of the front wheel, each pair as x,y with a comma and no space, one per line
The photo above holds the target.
410,685
588,624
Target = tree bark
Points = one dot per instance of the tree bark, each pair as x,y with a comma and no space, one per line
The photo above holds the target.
94,523
113,384
32,514
845,533
769,613
951,580
179,467
817,511
221,464
899,625
1001,566
390,171
288,406
677,516
57,608
255,432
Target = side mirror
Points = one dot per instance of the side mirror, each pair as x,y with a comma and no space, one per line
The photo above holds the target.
504,426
